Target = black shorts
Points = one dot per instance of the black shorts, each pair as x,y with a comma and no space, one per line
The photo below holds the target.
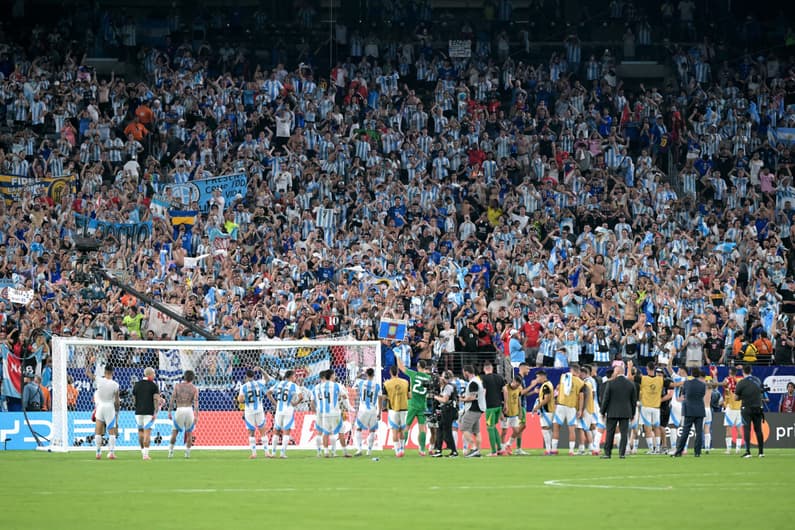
665,415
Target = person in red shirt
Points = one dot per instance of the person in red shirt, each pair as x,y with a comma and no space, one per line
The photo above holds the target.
485,332
788,401
532,333
137,129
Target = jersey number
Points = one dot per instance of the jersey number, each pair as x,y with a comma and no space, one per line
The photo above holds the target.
418,388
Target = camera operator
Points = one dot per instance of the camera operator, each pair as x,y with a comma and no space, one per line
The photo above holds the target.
447,400
749,391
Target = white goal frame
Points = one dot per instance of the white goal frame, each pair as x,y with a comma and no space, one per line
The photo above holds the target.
59,439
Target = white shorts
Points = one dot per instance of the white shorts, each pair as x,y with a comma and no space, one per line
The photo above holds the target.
708,417
510,422
329,423
585,422
254,419
184,420
144,421
675,418
546,419
565,415
367,420
283,421
599,420
106,413
633,423
732,418
650,416
397,419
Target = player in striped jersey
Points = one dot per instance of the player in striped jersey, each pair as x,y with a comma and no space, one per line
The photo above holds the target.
460,387
251,396
330,399
678,379
287,395
368,392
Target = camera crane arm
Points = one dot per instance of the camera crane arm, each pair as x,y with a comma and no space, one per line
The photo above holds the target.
101,273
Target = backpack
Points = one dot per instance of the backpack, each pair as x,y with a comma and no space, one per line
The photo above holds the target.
35,403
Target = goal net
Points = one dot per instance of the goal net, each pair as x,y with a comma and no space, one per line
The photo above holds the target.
220,369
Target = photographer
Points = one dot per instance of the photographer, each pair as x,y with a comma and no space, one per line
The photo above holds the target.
447,400
749,391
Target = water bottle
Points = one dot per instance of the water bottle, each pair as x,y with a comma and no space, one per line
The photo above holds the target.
376,459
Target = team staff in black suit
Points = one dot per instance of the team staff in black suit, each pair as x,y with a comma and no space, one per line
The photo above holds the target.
618,406
693,392
749,391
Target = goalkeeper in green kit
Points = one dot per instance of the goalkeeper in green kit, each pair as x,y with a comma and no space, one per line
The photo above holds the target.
418,398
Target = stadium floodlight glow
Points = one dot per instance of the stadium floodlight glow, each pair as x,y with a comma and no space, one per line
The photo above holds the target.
220,368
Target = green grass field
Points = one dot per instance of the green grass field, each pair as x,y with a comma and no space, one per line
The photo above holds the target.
221,490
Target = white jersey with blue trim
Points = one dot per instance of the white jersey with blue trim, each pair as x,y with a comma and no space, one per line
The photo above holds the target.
460,388
327,396
676,378
368,391
591,382
253,393
106,391
285,393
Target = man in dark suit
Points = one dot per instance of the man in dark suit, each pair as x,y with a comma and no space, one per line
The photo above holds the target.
618,406
693,392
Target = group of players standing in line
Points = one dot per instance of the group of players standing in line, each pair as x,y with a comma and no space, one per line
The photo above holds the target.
573,404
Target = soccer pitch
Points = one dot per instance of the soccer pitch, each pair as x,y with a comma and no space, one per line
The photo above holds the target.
219,490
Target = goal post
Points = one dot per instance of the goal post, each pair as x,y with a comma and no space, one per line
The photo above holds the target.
220,368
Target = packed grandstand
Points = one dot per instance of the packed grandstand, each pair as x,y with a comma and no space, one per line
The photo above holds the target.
465,173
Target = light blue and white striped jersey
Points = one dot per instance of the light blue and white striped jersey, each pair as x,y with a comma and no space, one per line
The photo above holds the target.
284,393
676,378
254,394
368,391
327,397
460,388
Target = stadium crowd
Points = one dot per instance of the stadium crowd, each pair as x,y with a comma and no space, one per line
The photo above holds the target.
543,210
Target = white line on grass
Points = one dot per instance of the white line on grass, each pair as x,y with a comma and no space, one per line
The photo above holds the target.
560,483
594,482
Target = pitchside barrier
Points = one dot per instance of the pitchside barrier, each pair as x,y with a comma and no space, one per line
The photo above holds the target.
220,370
15,432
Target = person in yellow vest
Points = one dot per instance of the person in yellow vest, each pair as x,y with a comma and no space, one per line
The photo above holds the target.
650,394
732,417
396,393
545,406
570,407
512,409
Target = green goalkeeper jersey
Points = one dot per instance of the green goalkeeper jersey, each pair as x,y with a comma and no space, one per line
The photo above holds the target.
419,392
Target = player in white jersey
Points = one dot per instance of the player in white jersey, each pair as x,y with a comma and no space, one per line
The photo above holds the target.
185,397
285,395
106,412
368,392
587,423
251,396
461,388
675,418
329,400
